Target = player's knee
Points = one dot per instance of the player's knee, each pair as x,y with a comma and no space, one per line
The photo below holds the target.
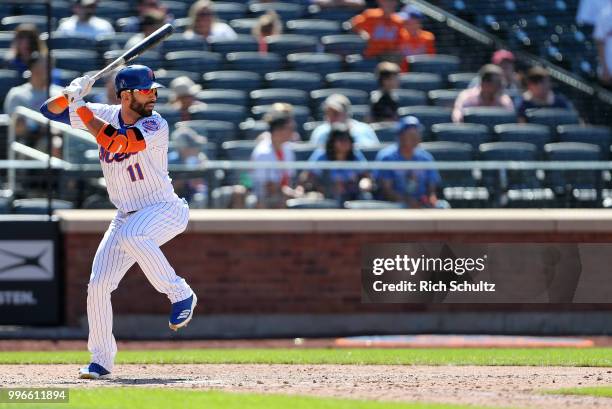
127,240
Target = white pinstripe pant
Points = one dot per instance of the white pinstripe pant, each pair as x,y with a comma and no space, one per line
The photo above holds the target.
132,238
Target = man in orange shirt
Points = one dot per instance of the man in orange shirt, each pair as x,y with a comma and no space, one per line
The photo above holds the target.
418,41
383,29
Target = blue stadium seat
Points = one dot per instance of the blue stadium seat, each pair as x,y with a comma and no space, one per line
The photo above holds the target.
39,205
301,113
360,113
115,41
461,80
76,60
242,43
178,9
229,10
443,97
407,97
242,80
269,96
370,152
238,149
254,61
219,112
178,42
112,10
6,39
8,80
357,97
215,131
371,204
421,81
321,63
443,151
364,81
243,25
385,131
489,116
11,22
596,135
64,77
284,44
169,113
314,27
151,58
223,96
539,135
474,134
428,115
343,44
303,150
196,61
68,41
552,117
356,62
251,129
305,81
59,9
286,11
165,77
339,14
437,63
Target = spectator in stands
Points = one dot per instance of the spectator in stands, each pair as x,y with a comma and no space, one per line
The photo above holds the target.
351,4
132,24
505,60
279,107
31,95
418,40
273,186
204,23
189,151
337,108
589,10
149,22
84,22
603,37
490,93
383,29
25,43
339,184
383,102
414,188
539,93
267,25
184,91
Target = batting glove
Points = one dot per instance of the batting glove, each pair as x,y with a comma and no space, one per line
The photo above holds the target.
78,88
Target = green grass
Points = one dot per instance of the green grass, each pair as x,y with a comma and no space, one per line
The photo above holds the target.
601,357
598,391
120,398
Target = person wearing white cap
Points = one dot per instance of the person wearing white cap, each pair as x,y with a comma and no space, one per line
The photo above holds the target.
337,108
84,22
184,91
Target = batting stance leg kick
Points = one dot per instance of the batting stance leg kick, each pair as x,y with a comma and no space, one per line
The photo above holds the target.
133,147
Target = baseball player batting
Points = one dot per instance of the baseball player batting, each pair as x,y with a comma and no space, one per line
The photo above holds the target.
133,148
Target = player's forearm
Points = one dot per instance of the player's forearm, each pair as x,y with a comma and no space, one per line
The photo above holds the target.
56,105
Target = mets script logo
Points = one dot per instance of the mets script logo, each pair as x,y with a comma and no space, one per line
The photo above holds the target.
109,157
150,125
26,260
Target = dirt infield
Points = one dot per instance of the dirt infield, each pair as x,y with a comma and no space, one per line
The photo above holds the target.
515,387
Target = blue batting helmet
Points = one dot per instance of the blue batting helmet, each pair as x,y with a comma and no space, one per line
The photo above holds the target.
135,77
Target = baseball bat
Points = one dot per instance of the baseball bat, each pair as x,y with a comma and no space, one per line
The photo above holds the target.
150,41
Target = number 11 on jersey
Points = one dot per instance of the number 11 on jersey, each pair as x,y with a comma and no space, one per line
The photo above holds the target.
135,175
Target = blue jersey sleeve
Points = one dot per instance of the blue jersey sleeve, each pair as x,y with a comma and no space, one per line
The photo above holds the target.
64,116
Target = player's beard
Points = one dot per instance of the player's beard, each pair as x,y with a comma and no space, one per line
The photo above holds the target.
139,108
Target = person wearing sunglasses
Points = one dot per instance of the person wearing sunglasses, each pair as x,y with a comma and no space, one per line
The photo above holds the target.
133,151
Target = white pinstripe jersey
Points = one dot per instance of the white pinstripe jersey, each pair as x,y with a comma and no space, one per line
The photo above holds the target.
140,179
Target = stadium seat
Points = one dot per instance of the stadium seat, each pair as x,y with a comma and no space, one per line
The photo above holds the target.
218,112
301,113
150,58
303,150
251,129
307,203
283,44
437,63
60,9
385,131
300,80
360,113
241,80
443,97
421,81
343,44
372,205
68,41
539,135
254,61
474,134
321,63
229,10
243,25
114,41
270,96
165,77
307,128
64,77
178,9
76,60
356,62
11,22
339,14
178,42
242,43
169,113
39,206
357,97
286,11
8,80
6,39
370,152
405,97
552,117
238,150
364,81
196,61
112,10
489,116
215,131
223,96
428,115
596,135
500,181
461,80
314,27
